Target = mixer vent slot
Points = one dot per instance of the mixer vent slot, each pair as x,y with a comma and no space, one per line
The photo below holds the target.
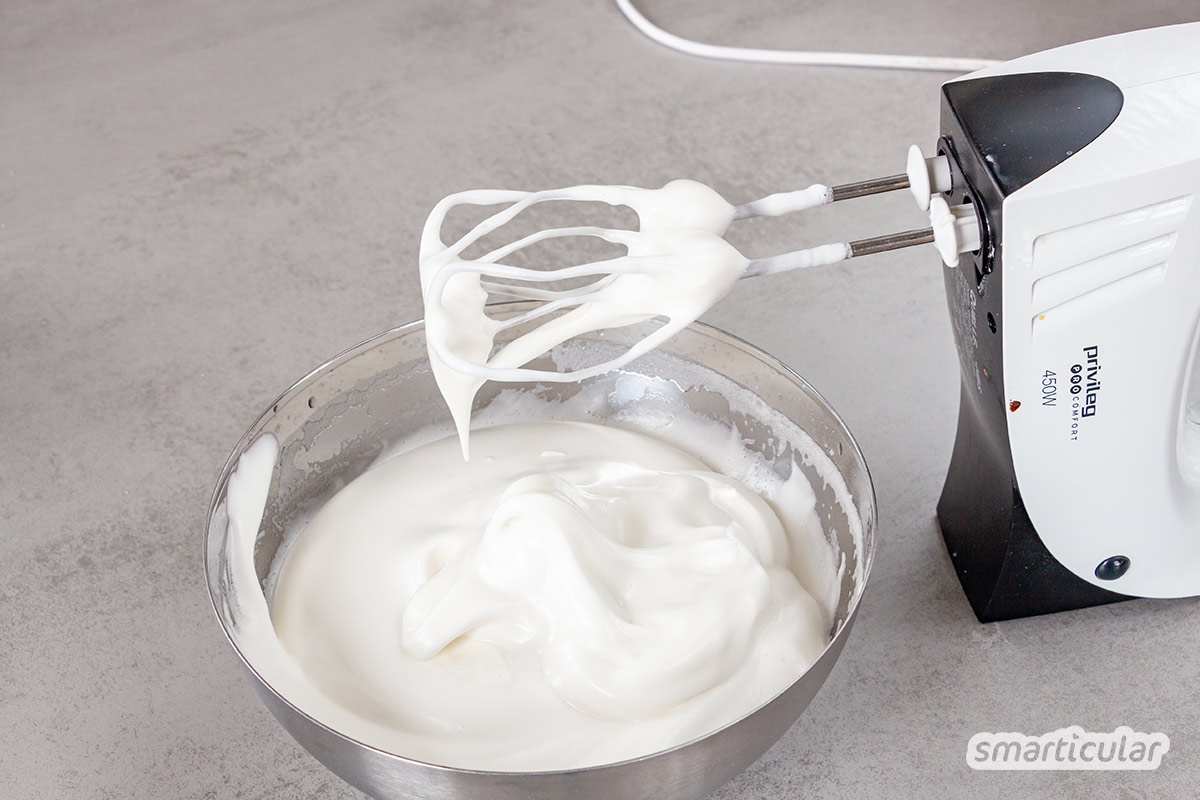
1101,259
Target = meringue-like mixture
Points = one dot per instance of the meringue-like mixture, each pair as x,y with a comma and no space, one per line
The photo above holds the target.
575,594
572,595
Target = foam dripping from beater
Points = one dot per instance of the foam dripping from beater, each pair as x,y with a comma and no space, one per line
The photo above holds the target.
676,267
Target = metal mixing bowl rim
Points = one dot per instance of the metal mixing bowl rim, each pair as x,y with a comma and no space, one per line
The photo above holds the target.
866,555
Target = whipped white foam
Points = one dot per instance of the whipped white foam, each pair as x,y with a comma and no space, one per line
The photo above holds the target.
600,596
595,597
677,266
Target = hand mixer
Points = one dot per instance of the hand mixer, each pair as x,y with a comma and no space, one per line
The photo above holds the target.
1067,180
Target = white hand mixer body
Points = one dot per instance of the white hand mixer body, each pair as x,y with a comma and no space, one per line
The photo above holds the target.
1077,465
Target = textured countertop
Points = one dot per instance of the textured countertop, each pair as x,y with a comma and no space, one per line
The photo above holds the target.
201,201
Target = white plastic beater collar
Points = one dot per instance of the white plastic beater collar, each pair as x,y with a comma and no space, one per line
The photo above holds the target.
945,236
955,230
926,176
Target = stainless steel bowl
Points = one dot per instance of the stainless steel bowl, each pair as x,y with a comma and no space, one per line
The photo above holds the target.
333,423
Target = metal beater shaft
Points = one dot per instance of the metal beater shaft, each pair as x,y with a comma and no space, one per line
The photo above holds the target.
891,241
849,191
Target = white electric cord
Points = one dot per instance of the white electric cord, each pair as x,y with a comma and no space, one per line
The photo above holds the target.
798,57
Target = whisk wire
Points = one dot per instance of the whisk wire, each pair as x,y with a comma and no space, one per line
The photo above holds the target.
610,235
535,293
519,202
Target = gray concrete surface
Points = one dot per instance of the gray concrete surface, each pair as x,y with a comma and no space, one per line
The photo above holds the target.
199,201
